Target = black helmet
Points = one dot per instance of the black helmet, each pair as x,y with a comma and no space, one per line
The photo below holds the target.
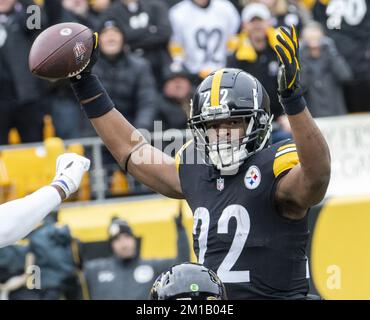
230,94
188,281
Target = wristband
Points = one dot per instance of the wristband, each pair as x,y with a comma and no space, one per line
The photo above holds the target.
294,104
88,87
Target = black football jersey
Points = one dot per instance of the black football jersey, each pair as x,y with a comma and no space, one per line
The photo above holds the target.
238,232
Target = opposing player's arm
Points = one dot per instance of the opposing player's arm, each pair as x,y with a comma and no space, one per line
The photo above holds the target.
19,217
134,154
306,183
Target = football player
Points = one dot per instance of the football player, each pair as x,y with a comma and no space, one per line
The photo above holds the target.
21,216
188,281
249,199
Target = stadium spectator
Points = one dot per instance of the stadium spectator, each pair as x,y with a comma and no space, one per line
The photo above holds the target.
348,24
201,31
175,98
57,255
324,71
67,117
71,10
285,13
171,3
125,275
21,103
14,260
127,78
146,27
97,7
255,54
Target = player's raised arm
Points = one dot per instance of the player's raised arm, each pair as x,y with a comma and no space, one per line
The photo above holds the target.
21,216
306,184
69,50
130,149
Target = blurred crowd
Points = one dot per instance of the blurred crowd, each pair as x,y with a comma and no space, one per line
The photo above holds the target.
50,264
153,53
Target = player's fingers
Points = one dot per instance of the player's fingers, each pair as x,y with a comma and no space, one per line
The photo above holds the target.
288,39
83,162
282,55
279,55
86,164
297,63
294,36
286,48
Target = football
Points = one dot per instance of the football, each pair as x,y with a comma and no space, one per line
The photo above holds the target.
61,51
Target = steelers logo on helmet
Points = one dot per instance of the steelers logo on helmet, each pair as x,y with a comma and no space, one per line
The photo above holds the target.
235,97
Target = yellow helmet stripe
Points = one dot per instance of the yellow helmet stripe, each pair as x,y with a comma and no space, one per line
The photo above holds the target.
215,88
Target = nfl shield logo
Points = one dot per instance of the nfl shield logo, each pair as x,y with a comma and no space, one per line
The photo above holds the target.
220,184
79,51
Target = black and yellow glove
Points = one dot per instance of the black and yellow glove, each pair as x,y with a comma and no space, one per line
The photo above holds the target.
287,50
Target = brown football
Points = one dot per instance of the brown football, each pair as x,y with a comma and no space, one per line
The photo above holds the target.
61,51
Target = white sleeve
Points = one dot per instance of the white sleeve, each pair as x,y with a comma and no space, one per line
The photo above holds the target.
19,217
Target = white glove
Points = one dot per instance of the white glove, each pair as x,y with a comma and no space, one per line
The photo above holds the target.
70,169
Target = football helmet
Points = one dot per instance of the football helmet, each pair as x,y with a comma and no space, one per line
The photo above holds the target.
227,95
188,281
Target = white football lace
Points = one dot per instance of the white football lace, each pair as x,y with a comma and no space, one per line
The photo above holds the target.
75,73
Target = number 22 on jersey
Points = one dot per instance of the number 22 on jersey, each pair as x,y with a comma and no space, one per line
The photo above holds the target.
242,231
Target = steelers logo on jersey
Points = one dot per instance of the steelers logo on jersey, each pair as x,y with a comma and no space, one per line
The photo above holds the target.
252,178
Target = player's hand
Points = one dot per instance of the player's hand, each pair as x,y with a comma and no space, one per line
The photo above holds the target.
70,168
93,59
287,51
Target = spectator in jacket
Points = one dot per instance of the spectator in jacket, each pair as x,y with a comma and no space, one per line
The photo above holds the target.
146,27
324,71
57,254
14,262
127,78
79,11
255,54
21,103
284,13
68,120
98,7
126,276
348,24
174,102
